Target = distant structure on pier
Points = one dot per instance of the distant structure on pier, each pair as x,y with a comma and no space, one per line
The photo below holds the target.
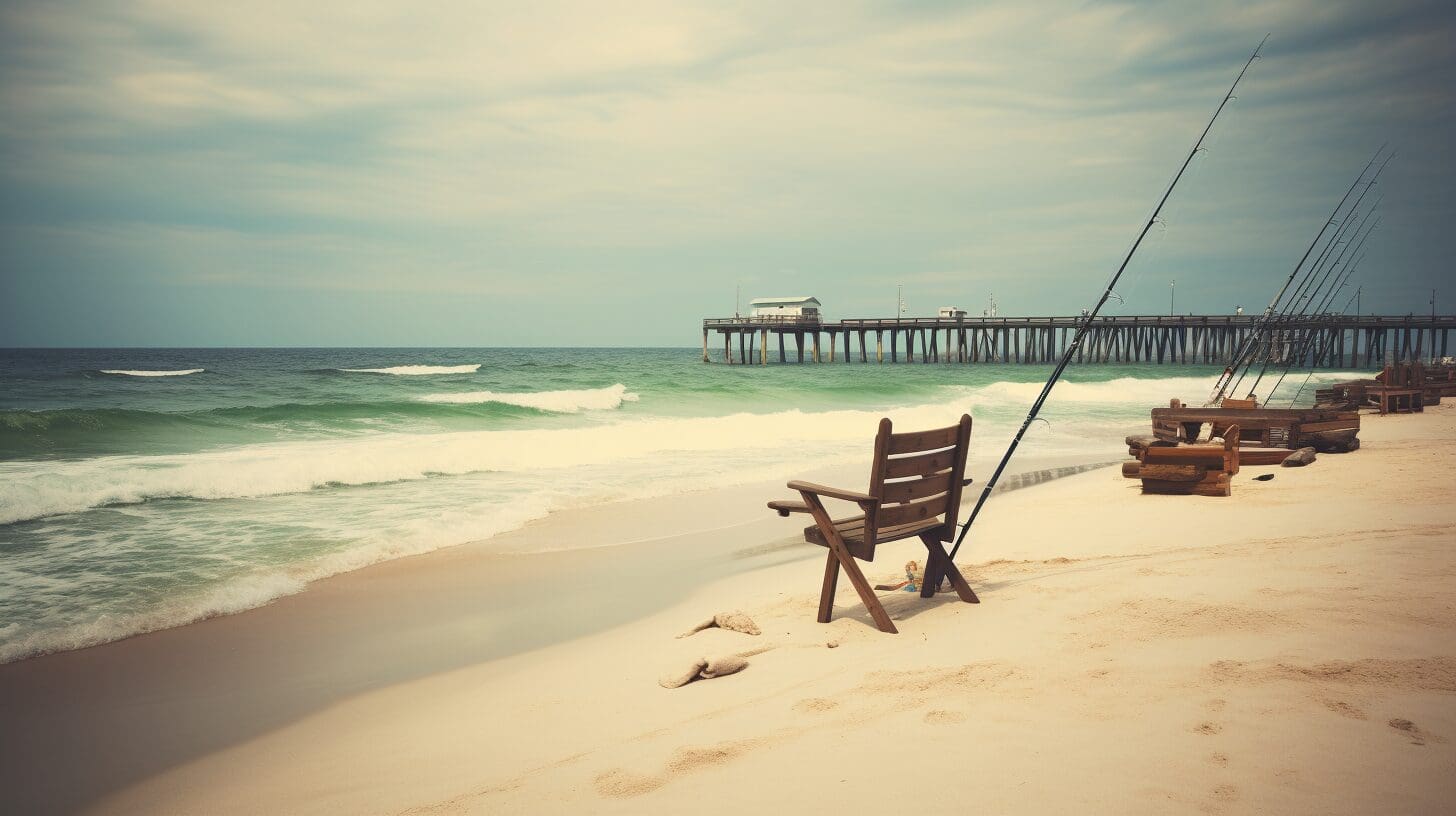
802,307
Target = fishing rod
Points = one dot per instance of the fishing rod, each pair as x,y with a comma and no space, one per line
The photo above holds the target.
1309,299
1086,323
1264,336
1244,353
1302,352
1296,350
1310,375
1343,310
1250,339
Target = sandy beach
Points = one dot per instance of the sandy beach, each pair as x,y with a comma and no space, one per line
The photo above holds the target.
1289,649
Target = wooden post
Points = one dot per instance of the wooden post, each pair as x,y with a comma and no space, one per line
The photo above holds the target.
799,343
763,347
705,344
783,358
880,346
816,346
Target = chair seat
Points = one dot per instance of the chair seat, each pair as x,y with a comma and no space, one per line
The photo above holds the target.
852,531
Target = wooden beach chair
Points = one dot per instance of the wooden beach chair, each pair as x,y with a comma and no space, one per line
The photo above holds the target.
915,491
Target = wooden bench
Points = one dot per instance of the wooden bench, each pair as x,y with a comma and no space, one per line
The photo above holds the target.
1200,470
1392,400
1293,428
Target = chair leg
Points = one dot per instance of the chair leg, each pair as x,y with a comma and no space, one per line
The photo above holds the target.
866,592
831,582
938,564
839,552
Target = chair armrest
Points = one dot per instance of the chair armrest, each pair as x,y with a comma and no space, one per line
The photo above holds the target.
785,507
833,492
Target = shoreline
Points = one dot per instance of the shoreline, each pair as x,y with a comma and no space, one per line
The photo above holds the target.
428,613
276,681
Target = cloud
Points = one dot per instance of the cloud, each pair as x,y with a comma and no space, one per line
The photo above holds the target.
374,147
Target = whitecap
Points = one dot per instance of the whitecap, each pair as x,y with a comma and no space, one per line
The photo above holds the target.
415,370
145,373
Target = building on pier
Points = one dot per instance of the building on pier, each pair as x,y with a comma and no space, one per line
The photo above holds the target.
803,307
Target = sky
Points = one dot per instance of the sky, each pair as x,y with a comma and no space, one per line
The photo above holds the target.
587,174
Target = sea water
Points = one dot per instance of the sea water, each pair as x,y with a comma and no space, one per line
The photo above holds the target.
141,489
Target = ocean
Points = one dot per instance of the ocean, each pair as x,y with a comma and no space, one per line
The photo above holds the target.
148,488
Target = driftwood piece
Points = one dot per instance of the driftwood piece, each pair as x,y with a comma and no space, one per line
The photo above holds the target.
1299,458
704,668
732,621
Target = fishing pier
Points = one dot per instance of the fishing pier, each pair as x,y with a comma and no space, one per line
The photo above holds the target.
1313,341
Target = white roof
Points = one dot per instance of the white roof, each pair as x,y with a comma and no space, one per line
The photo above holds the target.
783,301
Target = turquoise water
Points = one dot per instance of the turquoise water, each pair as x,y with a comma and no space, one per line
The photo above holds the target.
190,483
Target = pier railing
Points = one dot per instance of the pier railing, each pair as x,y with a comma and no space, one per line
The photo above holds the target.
765,320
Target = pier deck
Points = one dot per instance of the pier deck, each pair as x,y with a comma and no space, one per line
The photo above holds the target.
1322,341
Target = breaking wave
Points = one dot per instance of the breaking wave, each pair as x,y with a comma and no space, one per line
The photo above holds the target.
129,373
415,370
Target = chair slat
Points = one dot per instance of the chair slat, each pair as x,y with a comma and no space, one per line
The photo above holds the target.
910,490
917,441
921,465
913,511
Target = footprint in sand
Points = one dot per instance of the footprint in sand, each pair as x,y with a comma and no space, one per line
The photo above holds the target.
940,716
815,705
1220,760
1343,708
1208,728
1225,793
1410,729
622,783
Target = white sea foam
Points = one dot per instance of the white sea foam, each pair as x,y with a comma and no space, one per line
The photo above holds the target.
1136,390
415,370
177,373
32,489
561,402
54,633
1083,417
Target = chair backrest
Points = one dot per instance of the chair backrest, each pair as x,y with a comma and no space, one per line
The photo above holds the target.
917,476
